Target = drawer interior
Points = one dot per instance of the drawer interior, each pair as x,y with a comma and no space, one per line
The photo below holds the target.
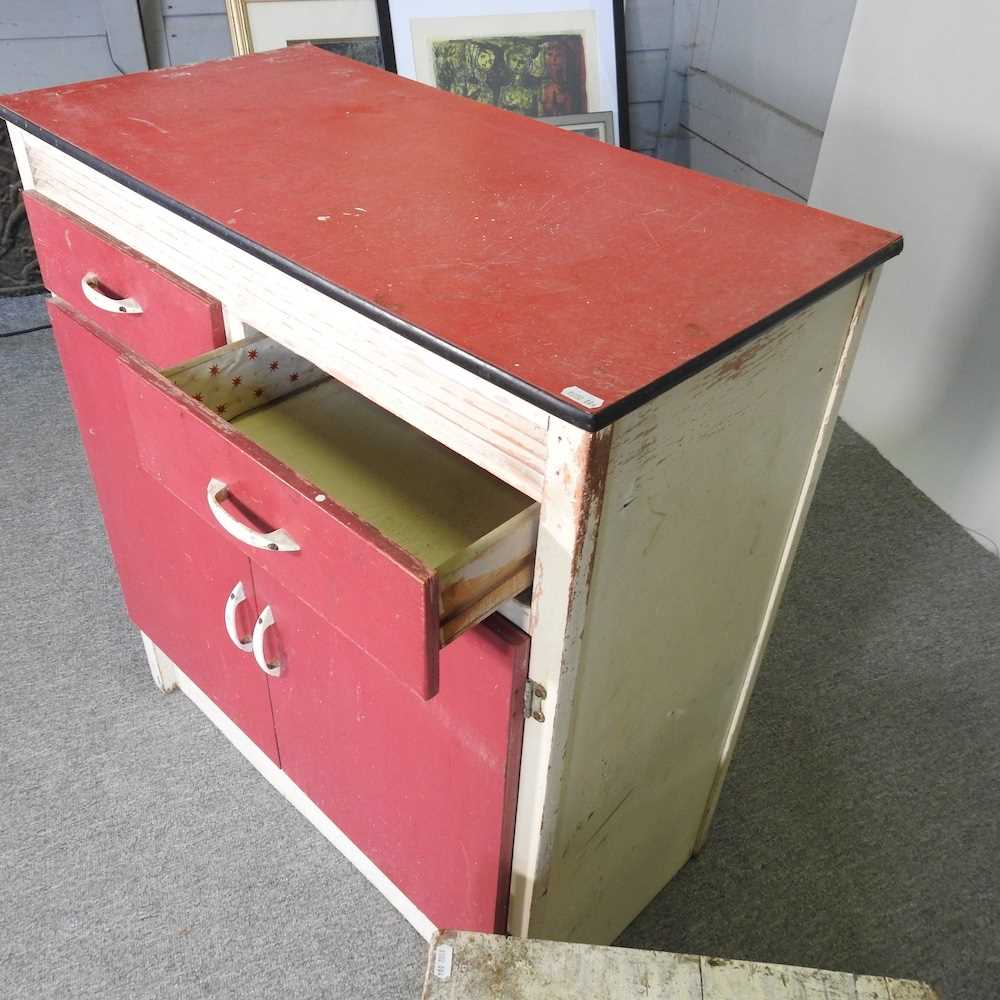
477,532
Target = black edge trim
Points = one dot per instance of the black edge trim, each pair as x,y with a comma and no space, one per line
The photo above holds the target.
657,387
483,369
621,73
385,33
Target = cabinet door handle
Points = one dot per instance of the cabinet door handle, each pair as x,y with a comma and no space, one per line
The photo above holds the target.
96,297
276,541
236,598
264,621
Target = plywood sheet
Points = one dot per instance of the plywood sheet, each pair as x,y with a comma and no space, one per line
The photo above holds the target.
464,966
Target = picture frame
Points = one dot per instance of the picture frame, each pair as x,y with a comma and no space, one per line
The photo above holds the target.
597,125
359,29
541,58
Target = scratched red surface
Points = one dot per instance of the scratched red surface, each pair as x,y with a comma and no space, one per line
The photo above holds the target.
559,260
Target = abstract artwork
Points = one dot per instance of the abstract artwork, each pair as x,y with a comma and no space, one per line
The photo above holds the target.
537,76
364,50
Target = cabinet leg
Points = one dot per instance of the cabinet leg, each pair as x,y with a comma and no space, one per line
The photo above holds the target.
160,665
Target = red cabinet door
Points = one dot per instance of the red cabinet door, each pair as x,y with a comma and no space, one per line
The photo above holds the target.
176,573
427,789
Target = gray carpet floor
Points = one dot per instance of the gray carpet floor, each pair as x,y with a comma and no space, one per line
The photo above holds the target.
141,857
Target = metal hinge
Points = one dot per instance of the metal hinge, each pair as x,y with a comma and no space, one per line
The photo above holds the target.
534,695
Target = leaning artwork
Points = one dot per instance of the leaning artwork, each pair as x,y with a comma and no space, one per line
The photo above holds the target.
538,76
363,49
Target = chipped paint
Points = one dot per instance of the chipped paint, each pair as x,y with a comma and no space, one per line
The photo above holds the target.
490,967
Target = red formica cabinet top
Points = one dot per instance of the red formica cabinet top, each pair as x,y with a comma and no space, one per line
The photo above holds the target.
540,259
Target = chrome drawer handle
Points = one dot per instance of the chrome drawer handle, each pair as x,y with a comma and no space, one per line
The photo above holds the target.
276,541
236,598
263,623
96,297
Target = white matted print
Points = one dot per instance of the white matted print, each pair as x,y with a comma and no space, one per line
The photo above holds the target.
540,58
597,125
347,27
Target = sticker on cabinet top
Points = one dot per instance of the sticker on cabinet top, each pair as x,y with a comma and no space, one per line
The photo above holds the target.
583,397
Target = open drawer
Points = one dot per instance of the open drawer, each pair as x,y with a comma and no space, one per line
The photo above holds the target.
399,542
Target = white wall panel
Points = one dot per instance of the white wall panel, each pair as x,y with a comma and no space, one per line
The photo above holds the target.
912,145
648,24
773,144
27,63
786,53
646,70
197,37
710,159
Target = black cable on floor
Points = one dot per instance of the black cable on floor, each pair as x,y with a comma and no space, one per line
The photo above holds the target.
30,329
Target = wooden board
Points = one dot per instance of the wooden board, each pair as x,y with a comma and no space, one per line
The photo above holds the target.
698,508
464,966
516,250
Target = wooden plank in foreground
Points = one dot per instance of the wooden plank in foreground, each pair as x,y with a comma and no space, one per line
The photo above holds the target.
467,966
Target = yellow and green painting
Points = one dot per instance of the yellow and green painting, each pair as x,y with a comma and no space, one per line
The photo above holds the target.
536,76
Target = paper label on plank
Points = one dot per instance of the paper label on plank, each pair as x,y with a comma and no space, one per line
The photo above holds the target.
442,961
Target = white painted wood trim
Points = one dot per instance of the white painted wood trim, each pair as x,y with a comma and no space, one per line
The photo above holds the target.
236,329
574,484
160,665
487,424
518,612
17,137
825,432
298,798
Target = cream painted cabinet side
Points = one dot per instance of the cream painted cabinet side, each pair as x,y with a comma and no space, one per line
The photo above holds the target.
706,488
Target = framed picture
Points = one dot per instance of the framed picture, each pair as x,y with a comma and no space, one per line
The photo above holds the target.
541,58
597,125
355,28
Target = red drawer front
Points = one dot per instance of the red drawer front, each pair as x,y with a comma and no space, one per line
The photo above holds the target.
176,574
381,597
426,789
177,321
